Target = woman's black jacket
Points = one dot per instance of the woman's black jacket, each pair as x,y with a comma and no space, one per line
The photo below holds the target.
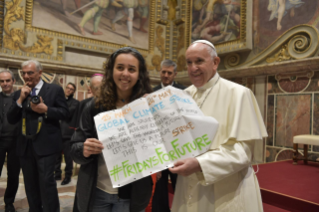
138,192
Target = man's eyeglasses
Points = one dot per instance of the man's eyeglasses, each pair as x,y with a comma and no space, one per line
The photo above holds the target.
29,73
72,89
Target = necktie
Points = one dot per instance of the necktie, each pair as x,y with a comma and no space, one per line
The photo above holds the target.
33,92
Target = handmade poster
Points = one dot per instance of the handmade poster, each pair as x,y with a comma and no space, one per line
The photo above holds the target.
150,134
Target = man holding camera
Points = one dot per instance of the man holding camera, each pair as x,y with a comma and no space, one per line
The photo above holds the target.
38,107
68,127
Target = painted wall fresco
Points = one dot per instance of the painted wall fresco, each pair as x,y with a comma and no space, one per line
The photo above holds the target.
274,17
216,20
121,22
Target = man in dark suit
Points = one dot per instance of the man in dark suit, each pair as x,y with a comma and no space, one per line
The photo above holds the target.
68,127
168,73
8,137
38,107
160,202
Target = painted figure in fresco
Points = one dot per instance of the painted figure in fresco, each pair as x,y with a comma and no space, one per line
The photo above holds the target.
224,24
142,11
210,10
96,13
279,9
64,6
128,11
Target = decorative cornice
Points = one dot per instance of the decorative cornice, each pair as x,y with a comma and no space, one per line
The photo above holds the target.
297,43
273,69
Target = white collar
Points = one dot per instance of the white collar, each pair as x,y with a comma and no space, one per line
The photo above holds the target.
167,85
210,82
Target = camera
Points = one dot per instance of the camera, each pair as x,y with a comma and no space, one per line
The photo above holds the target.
35,99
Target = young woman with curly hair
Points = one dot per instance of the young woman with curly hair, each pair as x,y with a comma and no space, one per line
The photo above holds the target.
126,79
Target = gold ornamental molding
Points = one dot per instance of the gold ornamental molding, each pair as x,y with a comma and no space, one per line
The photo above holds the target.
1,21
15,38
162,13
281,55
297,43
160,44
181,60
179,22
167,40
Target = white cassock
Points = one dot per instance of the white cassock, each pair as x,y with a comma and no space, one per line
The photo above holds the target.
227,181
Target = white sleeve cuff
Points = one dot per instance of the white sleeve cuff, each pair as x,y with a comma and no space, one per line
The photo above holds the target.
19,104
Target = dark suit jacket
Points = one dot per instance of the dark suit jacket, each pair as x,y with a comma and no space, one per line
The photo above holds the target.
69,124
174,85
3,117
49,139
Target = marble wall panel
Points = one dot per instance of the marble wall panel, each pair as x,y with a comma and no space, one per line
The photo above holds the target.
293,117
70,78
59,80
316,114
82,84
251,83
314,83
316,119
272,86
271,154
277,154
270,120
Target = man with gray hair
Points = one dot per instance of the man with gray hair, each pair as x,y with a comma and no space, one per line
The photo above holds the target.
38,107
8,137
221,179
168,73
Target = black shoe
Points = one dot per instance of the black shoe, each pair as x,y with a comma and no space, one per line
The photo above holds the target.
10,208
66,180
57,177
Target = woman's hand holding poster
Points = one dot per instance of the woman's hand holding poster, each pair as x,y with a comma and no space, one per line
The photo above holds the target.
150,134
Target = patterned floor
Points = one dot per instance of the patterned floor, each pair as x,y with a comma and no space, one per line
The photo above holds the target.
66,194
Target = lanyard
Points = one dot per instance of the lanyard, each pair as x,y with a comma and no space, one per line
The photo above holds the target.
24,127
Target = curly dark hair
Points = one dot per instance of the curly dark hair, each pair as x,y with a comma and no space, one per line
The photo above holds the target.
107,96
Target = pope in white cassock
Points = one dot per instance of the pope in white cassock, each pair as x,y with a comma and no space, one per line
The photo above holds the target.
222,179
